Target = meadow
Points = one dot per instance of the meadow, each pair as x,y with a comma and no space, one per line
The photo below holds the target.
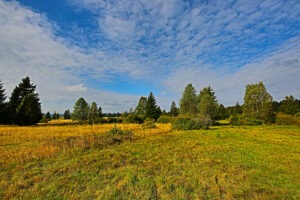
74,161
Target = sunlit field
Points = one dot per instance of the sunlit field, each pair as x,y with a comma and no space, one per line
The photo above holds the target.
76,162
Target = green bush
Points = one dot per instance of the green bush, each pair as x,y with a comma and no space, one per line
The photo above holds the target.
235,120
284,119
241,120
132,118
202,122
165,119
250,121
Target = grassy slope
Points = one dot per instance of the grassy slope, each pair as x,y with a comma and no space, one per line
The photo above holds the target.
222,163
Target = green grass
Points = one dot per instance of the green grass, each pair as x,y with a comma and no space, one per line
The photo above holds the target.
223,163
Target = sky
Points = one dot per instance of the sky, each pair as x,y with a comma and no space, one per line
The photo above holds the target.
115,51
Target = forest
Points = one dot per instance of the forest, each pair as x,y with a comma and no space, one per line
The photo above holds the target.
195,111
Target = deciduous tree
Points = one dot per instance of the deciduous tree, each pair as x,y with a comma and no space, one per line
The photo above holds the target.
93,113
258,103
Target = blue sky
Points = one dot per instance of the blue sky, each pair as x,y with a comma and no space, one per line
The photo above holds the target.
113,52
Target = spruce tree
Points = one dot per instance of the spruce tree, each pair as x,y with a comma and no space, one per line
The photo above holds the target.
152,110
67,114
24,98
81,110
208,105
29,110
189,101
3,105
174,111
141,107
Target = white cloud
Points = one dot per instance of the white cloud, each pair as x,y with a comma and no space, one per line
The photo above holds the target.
76,88
30,47
280,72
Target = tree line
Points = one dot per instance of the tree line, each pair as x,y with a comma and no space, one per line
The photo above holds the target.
24,108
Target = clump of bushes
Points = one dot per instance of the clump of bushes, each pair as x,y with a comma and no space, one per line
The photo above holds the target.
119,135
283,119
202,122
165,119
149,123
133,118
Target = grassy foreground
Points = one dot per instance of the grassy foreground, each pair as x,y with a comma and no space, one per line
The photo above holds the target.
72,162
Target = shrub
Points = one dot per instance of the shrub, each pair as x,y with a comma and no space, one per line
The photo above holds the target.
132,118
250,121
149,123
165,119
235,120
202,122
241,120
119,135
283,119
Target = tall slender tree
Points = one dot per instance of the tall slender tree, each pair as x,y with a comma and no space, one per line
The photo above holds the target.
3,105
152,110
174,111
93,113
189,101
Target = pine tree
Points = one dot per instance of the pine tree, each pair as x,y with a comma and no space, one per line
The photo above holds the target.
174,111
3,105
152,111
141,107
189,101
100,114
258,103
23,97
48,116
67,114
81,110
93,113
208,105
29,110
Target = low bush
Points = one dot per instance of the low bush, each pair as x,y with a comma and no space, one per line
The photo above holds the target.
284,119
132,118
165,119
241,120
119,135
201,122
149,123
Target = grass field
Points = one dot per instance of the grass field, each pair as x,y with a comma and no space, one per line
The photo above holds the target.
74,162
